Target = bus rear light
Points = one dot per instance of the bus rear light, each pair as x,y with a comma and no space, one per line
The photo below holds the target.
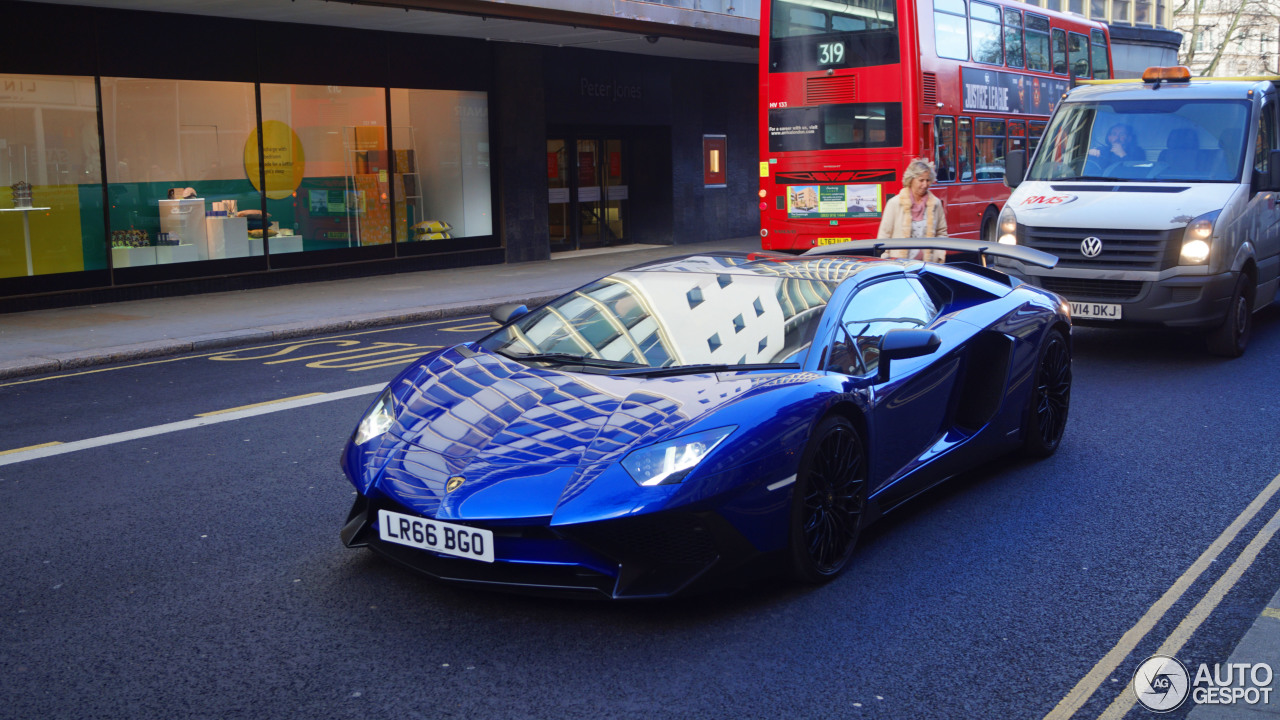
764,232
1157,75
764,193
764,206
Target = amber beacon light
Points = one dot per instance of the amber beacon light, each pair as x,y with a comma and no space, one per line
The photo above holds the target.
1157,75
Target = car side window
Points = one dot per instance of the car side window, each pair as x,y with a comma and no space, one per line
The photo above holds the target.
1265,141
872,312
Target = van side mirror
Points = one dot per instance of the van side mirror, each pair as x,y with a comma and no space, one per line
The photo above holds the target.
1015,167
901,344
504,314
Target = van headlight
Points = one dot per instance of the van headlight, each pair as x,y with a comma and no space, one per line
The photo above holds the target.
1007,227
1197,239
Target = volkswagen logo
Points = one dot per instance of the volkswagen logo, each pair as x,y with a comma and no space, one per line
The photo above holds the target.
1091,247
453,483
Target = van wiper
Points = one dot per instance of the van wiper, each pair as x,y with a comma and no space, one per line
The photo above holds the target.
570,359
704,368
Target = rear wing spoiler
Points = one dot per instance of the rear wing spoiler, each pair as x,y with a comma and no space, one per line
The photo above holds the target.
875,248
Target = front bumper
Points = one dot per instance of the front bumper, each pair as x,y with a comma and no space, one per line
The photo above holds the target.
647,556
1184,302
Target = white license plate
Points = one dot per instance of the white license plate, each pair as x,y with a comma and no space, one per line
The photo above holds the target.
446,538
1095,311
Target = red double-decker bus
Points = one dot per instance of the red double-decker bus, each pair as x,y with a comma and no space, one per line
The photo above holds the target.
852,91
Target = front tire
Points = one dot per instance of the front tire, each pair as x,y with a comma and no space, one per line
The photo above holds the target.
1231,339
1050,397
828,501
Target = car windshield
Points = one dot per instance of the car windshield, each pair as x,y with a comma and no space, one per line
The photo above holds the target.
711,311
1145,140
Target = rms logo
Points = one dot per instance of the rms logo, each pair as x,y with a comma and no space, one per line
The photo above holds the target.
1033,202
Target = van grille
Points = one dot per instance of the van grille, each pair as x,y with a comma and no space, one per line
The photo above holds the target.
1121,249
1087,289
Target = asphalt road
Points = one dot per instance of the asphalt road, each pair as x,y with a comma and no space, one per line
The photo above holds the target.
198,573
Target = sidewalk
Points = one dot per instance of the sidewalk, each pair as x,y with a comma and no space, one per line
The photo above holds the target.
44,341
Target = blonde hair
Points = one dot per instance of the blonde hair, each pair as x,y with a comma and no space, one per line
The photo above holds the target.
917,168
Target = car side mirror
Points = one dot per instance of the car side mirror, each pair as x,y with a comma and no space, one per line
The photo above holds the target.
504,314
901,344
1015,167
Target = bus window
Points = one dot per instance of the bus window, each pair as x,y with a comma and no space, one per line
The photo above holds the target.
945,149
950,29
1079,52
1017,136
1059,51
1098,41
1037,43
1013,37
806,36
990,150
964,146
1035,131
984,30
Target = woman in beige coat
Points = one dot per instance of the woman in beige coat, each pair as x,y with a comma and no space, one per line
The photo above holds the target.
915,212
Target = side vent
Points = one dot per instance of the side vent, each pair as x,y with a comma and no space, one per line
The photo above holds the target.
831,89
930,91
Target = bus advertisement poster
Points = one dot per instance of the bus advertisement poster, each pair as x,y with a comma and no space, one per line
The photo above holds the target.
834,201
1013,93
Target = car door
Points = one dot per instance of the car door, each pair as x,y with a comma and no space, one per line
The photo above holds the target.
1264,207
909,412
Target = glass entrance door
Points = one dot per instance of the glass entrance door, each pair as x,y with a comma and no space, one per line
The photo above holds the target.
587,192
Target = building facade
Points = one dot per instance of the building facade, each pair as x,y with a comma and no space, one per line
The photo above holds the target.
168,152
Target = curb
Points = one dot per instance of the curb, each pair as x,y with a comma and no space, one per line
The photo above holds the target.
249,336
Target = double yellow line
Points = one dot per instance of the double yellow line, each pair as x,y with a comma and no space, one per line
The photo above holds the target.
1105,667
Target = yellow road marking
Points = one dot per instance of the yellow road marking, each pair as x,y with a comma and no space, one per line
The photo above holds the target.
29,447
1272,613
257,405
1100,673
1201,611
224,351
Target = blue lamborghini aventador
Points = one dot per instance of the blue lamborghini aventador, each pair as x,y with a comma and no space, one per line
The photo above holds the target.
706,418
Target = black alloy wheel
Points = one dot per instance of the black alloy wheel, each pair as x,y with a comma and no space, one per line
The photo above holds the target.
1050,397
1231,339
828,501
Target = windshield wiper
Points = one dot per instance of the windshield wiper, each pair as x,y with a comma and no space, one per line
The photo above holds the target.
570,359
705,368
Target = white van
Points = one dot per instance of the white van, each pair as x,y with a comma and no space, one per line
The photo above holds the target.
1178,225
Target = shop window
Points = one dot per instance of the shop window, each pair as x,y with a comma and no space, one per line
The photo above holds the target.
441,172
49,148
177,176
714,152
327,167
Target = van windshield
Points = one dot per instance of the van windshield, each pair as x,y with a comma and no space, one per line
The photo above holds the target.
1147,140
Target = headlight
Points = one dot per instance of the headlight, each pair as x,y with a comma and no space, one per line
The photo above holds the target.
378,420
1197,237
1008,227
669,462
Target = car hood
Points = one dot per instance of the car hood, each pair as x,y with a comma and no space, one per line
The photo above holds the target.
1165,206
539,433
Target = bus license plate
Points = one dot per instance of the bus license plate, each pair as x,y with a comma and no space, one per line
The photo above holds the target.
1095,311
831,241
445,538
